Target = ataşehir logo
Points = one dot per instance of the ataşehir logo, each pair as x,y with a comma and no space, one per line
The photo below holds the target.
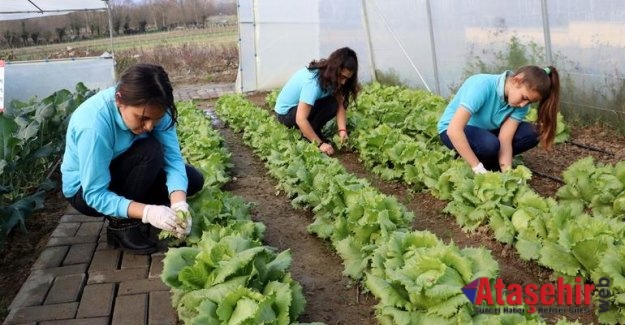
470,290
577,295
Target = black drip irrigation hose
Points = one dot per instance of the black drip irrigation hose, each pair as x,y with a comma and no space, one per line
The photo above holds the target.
583,146
56,165
587,147
553,178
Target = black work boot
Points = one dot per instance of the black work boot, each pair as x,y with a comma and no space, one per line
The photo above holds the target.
128,234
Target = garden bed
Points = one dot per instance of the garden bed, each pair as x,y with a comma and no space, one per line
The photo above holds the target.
333,298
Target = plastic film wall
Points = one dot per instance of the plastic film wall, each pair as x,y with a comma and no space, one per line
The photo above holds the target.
277,37
435,45
27,79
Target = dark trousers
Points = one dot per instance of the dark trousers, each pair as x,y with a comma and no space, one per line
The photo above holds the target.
138,175
321,113
485,143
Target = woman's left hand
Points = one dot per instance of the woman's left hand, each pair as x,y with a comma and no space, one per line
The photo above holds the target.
184,207
327,149
343,135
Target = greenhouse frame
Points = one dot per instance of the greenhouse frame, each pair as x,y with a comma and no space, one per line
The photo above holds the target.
435,45
23,80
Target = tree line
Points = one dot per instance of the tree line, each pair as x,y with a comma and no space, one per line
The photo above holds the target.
128,17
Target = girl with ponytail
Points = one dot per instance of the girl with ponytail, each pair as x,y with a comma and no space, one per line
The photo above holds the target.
484,122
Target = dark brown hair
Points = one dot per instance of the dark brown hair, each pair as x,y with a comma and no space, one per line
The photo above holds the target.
546,82
148,84
330,73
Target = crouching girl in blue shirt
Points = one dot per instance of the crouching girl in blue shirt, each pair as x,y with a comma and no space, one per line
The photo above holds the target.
484,122
316,94
122,159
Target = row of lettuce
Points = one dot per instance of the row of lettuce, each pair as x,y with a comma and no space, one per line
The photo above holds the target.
417,278
579,234
32,137
222,273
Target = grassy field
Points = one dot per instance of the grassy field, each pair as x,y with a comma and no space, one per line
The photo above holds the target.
224,35
190,56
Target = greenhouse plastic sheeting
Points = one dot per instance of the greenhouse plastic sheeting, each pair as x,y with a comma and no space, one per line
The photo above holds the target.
24,80
20,9
435,45
278,37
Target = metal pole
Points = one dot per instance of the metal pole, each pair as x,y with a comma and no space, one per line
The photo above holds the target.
401,46
433,48
256,46
546,32
369,45
240,76
108,10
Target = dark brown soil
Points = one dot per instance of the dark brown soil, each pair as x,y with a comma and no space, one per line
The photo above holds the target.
21,250
331,297
429,216
550,164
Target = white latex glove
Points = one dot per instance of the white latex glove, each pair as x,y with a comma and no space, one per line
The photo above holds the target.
479,169
183,206
160,217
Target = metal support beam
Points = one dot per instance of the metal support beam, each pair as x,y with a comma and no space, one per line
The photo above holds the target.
546,32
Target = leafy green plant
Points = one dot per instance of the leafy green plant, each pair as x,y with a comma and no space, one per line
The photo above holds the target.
225,276
32,137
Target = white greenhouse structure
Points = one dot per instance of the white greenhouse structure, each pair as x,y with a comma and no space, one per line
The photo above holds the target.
434,45
23,80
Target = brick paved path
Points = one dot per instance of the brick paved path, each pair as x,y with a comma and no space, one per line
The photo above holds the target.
202,91
79,279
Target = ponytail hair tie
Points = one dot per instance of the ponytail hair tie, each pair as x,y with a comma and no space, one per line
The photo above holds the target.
547,70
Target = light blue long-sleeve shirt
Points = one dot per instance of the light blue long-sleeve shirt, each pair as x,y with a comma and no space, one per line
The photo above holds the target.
303,86
483,96
96,135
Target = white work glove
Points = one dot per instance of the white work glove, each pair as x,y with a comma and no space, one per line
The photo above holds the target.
160,217
183,206
479,169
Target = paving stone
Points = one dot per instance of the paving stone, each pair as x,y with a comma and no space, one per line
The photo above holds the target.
130,310
89,229
104,245
160,310
156,265
117,275
65,288
102,238
71,210
84,321
80,218
33,291
133,261
64,241
41,313
79,254
96,300
104,260
63,270
141,286
50,257
66,229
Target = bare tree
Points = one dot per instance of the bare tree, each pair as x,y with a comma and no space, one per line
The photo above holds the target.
127,15
35,37
24,34
75,23
60,32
